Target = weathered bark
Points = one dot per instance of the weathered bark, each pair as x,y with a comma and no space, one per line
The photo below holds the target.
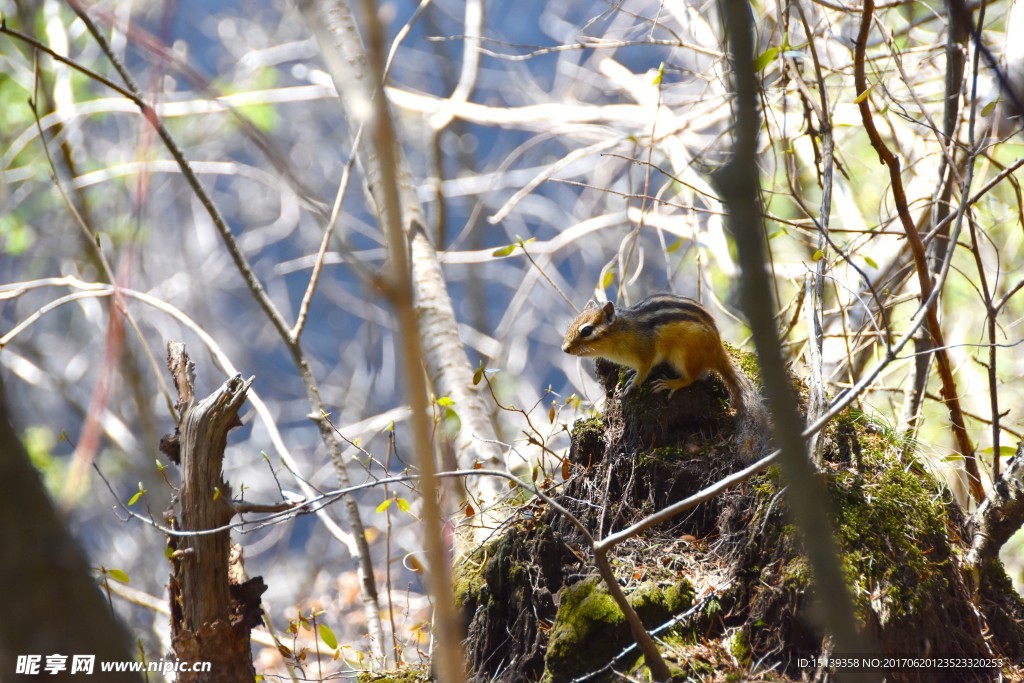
1001,513
212,609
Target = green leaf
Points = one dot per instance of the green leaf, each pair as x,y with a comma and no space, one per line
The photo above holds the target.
403,504
138,494
478,375
445,402
987,109
863,96
385,505
216,493
327,635
817,255
674,246
1004,451
608,278
871,262
452,421
660,76
765,58
504,251
119,576
15,236
777,233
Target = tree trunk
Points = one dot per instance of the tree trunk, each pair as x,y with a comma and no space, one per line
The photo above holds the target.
51,603
213,609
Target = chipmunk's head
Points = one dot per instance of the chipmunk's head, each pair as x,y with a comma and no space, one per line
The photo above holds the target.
585,334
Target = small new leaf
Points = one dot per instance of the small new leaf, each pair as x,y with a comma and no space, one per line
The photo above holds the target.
385,505
871,262
765,58
864,95
608,279
504,251
403,504
817,255
327,635
138,494
119,576
660,75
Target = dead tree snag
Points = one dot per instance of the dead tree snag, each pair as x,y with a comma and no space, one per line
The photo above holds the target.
213,609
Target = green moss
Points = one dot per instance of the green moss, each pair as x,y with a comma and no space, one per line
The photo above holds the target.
652,602
589,627
739,646
667,453
587,428
697,668
587,440
747,361
417,674
468,582
493,572
891,527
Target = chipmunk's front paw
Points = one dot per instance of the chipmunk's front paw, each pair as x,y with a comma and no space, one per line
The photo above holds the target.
630,387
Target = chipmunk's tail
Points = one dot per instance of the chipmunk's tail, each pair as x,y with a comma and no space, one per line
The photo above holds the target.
753,426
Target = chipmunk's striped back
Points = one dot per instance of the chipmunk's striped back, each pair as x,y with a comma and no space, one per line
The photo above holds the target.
663,328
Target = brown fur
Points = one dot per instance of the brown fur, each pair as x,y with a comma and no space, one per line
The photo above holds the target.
663,328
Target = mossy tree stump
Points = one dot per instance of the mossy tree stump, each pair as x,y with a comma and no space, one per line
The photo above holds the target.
731,589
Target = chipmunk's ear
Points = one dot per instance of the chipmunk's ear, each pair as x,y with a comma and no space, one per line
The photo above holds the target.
609,311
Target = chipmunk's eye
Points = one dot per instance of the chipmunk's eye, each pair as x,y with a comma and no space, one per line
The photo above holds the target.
586,330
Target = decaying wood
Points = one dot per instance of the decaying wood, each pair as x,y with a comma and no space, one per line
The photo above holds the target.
213,609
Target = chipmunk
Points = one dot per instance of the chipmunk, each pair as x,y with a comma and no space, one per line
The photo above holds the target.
663,328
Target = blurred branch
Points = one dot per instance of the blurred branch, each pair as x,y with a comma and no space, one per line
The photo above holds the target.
739,186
